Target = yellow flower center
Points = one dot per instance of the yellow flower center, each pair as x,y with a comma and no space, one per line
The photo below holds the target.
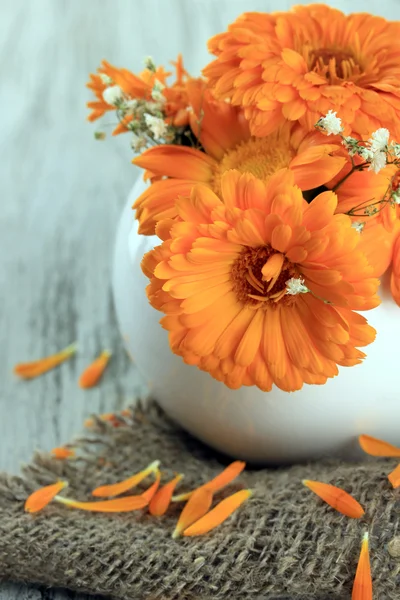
260,156
334,65
259,277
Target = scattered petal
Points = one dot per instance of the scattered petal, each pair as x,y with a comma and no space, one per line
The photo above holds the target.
162,499
42,497
62,452
35,368
93,373
218,514
337,498
376,447
127,504
151,491
111,418
219,482
394,477
362,587
195,508
115,489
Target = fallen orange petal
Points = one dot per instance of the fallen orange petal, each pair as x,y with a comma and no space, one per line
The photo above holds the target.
93,373
62,452
394,477
362,587
126,504
42,497
35,368
161,500
218,514
149,493
197,506
337,498
115,489
111,418
376,447
220,481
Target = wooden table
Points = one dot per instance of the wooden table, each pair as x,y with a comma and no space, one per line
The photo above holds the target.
62,193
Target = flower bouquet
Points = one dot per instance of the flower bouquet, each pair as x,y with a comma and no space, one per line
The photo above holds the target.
268,219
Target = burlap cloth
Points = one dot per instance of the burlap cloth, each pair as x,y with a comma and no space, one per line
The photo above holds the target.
284,543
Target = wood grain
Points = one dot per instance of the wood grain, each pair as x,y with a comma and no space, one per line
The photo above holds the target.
61,195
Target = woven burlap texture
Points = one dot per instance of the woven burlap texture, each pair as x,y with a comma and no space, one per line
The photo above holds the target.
283,543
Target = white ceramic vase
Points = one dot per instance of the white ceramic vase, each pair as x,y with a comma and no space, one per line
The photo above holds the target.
263,427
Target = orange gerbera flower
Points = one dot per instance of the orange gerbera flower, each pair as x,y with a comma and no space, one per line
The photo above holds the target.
302,63
140,87
259,287
227,144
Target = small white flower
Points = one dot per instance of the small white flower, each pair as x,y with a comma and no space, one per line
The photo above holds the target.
105,79
149,63
156,125
351,145
331,123
394,149
156,92
358,226
378,162
138,142
113,95
379,140
365,153
396,197
296,286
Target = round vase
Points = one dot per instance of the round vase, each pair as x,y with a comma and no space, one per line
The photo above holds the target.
273,427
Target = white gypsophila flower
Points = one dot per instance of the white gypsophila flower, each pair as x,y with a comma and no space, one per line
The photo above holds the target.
351,145
156,92
396,197
156,125
138,142
149,63
365,153
331,124
378,162
394,149
296,286
378,142
130,105
113,95
358,226
105,79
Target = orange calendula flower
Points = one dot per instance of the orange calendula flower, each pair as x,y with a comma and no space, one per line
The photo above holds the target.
197,506
337,498
227,145
162,498
394,477
218,515
362,587
395,275
62,452
116,489
220,481
93,373
42,497
112,85
300,64
35,368
254,286
376,447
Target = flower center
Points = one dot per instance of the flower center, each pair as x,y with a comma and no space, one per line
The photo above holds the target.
260,156
335,65
259,277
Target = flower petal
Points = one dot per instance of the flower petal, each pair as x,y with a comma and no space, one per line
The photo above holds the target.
93,373
375,447
218,514
162,498
197,506
337,498
42,497
38,367
362,587
116,489
220,481
394,477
